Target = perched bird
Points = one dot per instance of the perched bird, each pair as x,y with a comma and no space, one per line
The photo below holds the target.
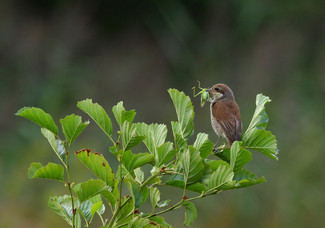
225,114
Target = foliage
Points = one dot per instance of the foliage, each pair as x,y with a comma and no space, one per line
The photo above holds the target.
191,167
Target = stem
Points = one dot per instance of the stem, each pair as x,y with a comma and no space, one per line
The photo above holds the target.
101,218
149,179
119,205
117,211
178,205
69,185
168,209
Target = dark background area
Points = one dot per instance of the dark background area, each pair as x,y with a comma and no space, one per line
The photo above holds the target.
55,53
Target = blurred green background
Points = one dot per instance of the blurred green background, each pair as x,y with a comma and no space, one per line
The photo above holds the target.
54,53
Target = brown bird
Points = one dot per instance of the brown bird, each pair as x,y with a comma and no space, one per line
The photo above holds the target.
225,114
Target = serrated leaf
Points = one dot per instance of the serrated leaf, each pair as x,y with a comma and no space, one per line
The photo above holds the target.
256,137
184,111
132,161
97,164
127,208
190,213
97,113
88,189
245,178
262,141
89,207
130,138
62,205
160,221
140,194
138,222
260,118
220,177
192,165
56,144
72,126
203,144
97,207
85,210
155,135
164,203
180,142
111,195
239,157
154,196
214,164
121,115
50,171
185,164
165,153
39,117
139,175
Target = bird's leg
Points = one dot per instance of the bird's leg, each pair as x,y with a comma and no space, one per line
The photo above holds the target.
215,145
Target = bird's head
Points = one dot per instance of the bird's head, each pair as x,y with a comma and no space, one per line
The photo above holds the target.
220,92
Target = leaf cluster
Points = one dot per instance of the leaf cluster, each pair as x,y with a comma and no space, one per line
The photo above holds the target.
191,167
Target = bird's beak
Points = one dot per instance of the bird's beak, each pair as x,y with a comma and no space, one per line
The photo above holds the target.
209,91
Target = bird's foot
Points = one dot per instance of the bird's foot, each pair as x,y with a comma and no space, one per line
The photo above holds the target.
215,149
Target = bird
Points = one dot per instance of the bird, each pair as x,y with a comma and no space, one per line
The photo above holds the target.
225,114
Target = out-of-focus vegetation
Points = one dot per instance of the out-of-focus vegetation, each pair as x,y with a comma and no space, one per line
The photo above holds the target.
54,53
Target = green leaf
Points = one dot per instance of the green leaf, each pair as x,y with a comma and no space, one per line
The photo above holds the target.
192,165
162,204
39,117
214,164
256,137
262,141
165,153
85,210
62,205
111,195
121,115
138,222
239,157
203,144
139,175
221,176
185,164
89,207
184,111
130,138
97,207
224,154
97,113
155,135
50,171
190,213
89,189
72,126
260,118
127,208
97,164
159,221
56,144
244,178
180,142
154,196
140,194
132,161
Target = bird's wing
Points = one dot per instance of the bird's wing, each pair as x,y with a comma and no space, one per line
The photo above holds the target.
228,116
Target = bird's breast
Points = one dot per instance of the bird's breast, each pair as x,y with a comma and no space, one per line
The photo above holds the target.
215,124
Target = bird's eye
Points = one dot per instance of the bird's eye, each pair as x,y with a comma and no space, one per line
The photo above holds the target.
217,89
